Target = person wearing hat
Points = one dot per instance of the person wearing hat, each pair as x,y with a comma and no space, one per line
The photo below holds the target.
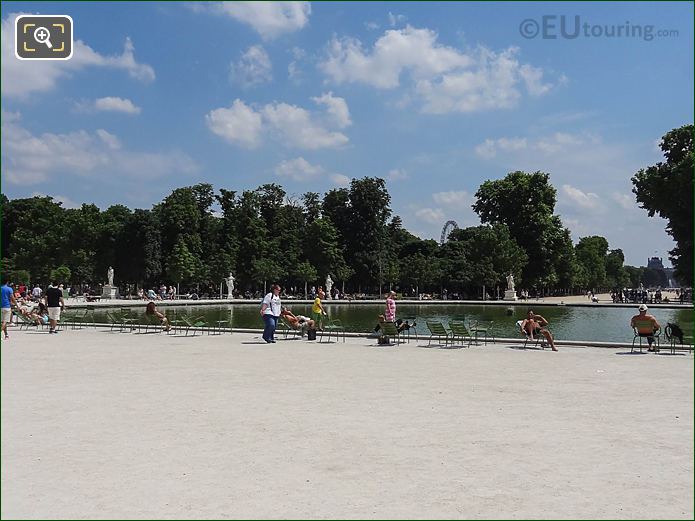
646,325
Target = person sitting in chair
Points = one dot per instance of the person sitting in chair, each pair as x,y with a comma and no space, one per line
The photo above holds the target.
537,325
646,325
151,310
299,322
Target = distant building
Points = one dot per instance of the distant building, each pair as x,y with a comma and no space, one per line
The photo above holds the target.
656,263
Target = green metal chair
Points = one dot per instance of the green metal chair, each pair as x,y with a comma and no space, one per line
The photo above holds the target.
333,327
482,328
437,330
25,322
390,330
150,321
643,329
190,324
459,330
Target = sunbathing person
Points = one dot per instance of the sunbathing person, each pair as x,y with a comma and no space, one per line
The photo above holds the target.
299,322
537,325
40,314
151,310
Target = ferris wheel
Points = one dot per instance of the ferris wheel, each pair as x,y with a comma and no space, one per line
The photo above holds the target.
449,227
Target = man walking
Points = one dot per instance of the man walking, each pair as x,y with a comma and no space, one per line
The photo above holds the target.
8,301
54,303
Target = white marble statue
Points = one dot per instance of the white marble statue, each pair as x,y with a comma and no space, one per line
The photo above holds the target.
230,285
329,286
510,282
109,275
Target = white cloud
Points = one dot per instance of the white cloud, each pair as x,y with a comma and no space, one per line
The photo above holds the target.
110,140
30,159
336,108
269,19
294,71
430,215
298,169
627,202
293,126
585,200
238,124
371,26
108,104
444,79
22,78
253,68
488,148
395,19
340,180
561,141
411,50
397,174
455,199
533,78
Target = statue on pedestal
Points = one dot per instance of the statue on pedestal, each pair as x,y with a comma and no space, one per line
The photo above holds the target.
510,282
329,286
230,285
109,276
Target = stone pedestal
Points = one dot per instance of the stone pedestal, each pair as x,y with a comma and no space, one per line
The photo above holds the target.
510,294
110,292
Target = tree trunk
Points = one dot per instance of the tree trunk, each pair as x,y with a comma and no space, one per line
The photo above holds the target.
305,291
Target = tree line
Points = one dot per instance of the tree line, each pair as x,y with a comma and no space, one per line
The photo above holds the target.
197,236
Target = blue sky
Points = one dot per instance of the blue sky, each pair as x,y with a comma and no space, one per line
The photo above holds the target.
434,97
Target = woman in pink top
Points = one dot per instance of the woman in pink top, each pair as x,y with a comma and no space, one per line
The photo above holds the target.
390,313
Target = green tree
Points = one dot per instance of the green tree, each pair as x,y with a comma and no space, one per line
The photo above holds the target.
616,273
591,254
343,273
265,270
491,254
305,273
35,229
666,189
525,203
635,276
61,274
181,265
19,276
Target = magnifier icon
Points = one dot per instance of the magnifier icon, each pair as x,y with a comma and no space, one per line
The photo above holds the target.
43,35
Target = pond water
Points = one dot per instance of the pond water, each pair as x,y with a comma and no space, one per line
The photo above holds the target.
607,324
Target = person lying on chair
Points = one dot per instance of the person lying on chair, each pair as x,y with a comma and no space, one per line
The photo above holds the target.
299,322
537,325
646,325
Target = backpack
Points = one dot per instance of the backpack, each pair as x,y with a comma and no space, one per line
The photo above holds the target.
674,331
